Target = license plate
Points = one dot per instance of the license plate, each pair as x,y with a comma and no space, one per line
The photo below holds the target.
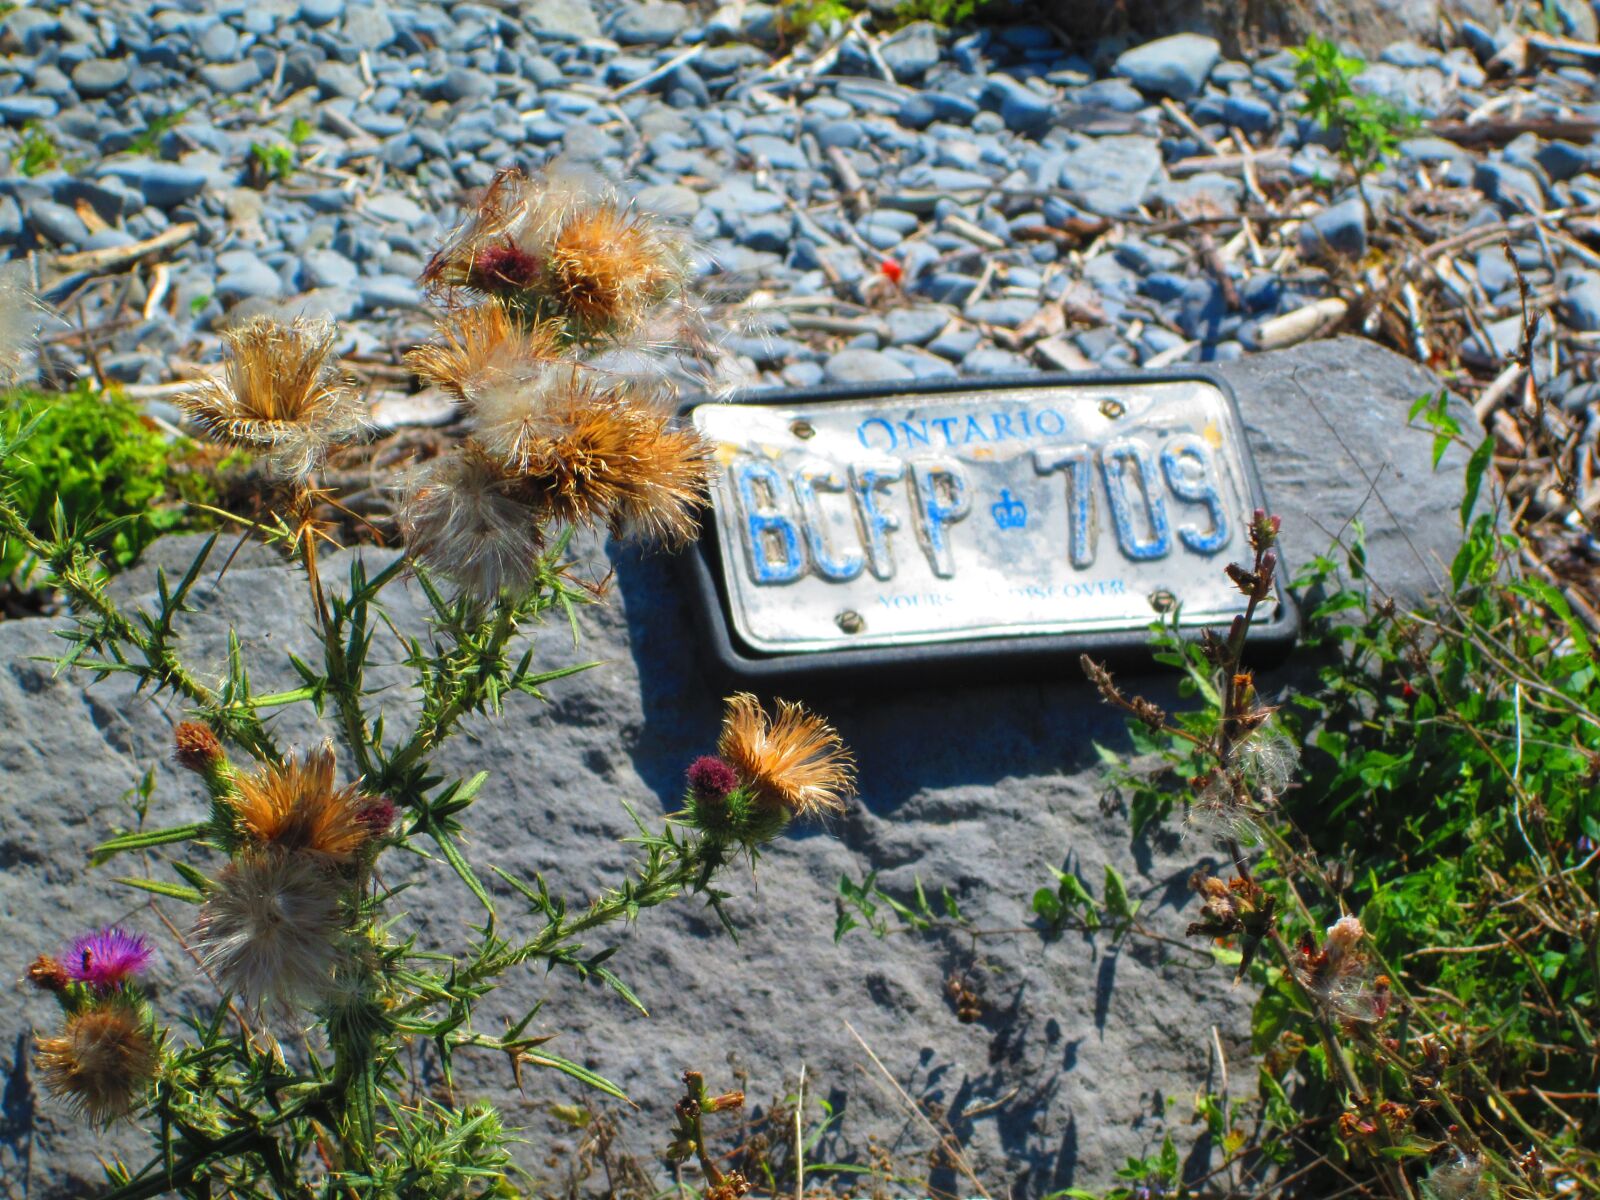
977,514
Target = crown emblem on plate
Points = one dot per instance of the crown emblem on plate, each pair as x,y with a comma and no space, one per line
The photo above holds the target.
1009,513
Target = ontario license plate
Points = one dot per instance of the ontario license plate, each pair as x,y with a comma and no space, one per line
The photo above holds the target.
980,513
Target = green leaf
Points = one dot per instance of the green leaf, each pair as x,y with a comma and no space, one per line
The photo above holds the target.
452,855
1117,902
540,1058
146,838
1476,466
174,891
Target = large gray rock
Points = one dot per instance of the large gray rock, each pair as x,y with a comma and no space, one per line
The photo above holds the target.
1370,24
978,786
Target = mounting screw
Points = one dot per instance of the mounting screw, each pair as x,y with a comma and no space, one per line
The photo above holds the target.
803,430
850,621
1163,601
1112,409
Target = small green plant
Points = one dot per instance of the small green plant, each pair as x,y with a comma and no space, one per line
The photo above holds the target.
148,141
270,162
91,464
300,132
1369,128
37,152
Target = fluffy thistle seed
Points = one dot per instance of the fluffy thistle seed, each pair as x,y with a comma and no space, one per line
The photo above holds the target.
280,395
101,1062
588,451
269,930
797,761
297,807
564,250
108,958
462,519
481,346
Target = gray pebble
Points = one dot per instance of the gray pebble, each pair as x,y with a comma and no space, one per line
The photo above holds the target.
100,76
865,366
1174,66
56,222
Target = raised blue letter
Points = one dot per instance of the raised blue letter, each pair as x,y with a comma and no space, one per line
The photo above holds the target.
868,480
771,541
809,479
1115,460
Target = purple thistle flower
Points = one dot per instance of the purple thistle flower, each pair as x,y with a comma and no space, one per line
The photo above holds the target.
107,958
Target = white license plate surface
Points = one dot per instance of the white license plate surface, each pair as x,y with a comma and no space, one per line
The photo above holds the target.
977,514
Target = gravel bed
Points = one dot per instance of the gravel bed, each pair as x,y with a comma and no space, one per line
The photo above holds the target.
871,206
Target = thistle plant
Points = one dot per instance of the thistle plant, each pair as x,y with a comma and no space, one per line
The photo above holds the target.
292,916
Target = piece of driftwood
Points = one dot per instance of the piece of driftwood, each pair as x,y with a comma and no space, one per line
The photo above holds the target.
109,258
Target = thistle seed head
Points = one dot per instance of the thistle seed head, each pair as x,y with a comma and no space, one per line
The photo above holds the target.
481,346
101,1062
297,807
462,518
565,250
280,395
270,928
796,762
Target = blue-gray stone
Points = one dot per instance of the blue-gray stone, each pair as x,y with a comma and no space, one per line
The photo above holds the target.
229,79
1580,303
777,152
1021,108
739,196
921,364
1209,194
1164,286
1146,257
949,287
846,135
10,219
726,60
1512,188
915,326
1115,94
163,184
20,109
878,234
991,360
1006,312
1174,66
368,28
1261,292
913,51
1563,160
463,83
328,268
1249,113
389,291
803,374
955,343
219,43
99,76
402,210
321,12
56,222
650,24
1340,229
769,232
248,278
1202,310
865,366
917,113
1112,174
28,29
1422,90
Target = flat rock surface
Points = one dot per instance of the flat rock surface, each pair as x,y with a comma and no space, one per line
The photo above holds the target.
980,787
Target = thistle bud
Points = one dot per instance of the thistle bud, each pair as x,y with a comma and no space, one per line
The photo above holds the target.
723,1103
711,778
196,748
46,974
1263,529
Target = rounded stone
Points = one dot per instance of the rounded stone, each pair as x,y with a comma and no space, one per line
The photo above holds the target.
100,76
865,366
